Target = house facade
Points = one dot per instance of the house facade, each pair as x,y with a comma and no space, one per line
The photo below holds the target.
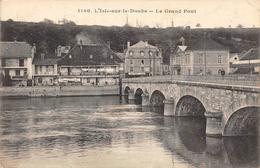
248,62
200,57
45,71
90,64
142,59
16,62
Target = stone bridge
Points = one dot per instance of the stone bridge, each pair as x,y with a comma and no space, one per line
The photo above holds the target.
231,108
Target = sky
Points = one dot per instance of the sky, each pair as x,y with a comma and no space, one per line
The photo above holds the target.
209,13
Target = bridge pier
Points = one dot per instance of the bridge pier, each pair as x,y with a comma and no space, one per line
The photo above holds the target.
145,99
169,107
214,126
131,94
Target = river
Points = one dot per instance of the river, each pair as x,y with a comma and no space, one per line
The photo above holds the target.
103,132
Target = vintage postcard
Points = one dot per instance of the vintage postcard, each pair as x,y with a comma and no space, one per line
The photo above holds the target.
129,83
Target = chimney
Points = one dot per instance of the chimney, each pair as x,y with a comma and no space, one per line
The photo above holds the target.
146,43
59,51
128,44
33,50
81,43
108,44
42,56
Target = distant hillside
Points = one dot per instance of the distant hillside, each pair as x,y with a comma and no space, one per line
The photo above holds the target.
48,36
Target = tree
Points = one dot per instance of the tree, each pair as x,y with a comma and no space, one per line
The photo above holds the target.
48,21
239,26
198,25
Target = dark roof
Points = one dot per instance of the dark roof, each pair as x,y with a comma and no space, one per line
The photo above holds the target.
81,55
205,44
244,70
15,49
46,61
251,54
142,44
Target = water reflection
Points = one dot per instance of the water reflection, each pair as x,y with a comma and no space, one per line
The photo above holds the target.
78,131
242,151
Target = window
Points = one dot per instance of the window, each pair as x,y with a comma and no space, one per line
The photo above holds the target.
40,69
131,53
3,62
131,69
142,62
150,53
91,56
178,59
200,59
17,72
158,69
131,61
142,53
88,80
187,59
157,53
21,62
142,69
25,72
39,80
111,57
219,59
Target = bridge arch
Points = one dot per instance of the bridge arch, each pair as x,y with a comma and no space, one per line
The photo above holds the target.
138,96
189,106
157,98
242,122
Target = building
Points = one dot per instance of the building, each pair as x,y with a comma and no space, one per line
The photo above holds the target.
247,63
16,62
199,57
90,64
45,70
166,69
142,59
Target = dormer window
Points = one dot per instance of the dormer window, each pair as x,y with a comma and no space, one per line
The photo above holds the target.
142,53
150,53
131,53
91,56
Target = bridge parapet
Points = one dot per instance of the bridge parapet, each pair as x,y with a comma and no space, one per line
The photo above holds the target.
234,80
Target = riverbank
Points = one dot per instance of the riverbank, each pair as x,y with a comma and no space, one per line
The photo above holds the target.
57,91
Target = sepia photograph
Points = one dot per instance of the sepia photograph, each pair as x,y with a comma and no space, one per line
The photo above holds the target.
129,84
